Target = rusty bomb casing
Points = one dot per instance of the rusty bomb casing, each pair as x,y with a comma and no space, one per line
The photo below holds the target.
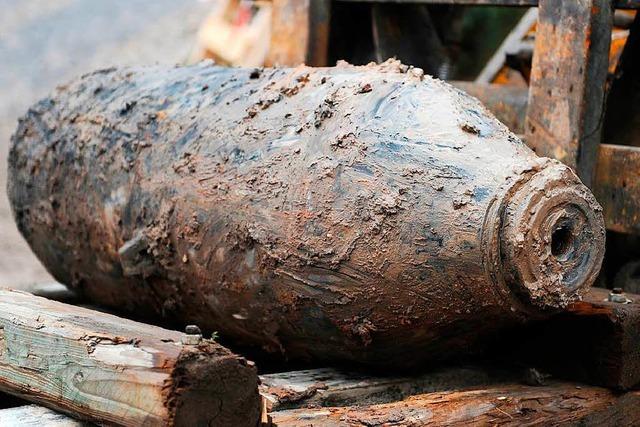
348,213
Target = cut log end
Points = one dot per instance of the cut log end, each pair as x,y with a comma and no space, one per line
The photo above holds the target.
225,391
552,237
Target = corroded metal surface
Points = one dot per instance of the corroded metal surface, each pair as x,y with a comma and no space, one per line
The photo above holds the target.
617,181
357,213
567,90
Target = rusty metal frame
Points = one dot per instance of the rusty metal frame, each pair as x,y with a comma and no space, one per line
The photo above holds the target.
564,112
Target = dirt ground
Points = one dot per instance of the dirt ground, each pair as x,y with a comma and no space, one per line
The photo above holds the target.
44,43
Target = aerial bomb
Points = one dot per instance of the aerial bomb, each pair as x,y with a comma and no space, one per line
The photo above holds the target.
359,213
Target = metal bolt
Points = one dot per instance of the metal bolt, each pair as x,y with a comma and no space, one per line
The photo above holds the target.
192,335
192,330
617,295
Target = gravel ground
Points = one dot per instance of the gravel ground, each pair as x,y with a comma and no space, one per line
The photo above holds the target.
44,43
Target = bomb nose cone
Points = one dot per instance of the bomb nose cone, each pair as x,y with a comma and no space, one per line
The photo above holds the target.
552,238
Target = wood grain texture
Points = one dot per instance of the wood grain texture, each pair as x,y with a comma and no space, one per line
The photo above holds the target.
332,387
36,416
568,81
503,404
111,370
617,187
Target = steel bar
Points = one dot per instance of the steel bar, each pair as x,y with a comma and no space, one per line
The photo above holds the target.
506,404
617,187
353,213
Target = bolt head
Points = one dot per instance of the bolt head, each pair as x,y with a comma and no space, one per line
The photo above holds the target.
619,298
192,330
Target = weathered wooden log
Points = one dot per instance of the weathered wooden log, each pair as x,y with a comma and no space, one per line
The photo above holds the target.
566,404
106,369
355,213
35,416
332,387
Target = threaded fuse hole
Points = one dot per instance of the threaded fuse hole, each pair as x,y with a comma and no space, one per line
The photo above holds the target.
562,242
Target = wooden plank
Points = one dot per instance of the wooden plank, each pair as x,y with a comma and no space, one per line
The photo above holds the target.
318,38
596,341
622,122
617,187
507,404
333,387
36,416
568,79
99,367
289,33
620,4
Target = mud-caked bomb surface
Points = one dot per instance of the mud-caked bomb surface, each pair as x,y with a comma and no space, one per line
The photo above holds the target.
353,213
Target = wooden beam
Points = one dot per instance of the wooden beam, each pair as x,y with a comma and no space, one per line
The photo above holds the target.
102,368
289,33
333,387
34,415
596,341
299,33
617,187
568,80
508,404
319,29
